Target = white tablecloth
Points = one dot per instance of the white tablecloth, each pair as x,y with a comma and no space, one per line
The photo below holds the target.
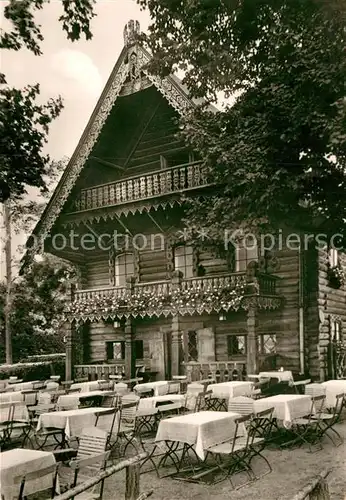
22,386
18,462
8,397
160,388
203,429
73,400
20,411
287,407
285,376
145,403
72,421
332,389
231,389
87,386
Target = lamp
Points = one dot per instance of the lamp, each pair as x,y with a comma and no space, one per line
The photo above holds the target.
222,316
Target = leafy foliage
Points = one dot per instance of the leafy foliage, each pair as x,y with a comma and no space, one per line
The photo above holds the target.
279,152
24,124
37,307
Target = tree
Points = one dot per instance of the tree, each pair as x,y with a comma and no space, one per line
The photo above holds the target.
37,307
24,124
279,153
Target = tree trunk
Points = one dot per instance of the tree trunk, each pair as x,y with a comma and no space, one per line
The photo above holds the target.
8,301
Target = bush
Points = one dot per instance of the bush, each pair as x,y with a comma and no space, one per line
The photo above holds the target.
41,370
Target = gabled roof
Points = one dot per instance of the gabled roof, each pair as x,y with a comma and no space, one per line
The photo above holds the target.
170,87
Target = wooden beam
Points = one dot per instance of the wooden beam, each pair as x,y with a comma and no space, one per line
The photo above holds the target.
107,163
141,135
155,223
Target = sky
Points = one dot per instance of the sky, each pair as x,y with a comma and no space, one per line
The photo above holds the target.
77,71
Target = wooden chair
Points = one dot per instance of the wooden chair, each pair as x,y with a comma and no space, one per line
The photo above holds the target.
128,420
90,467
14,429
326,421
109,421
92,442
110,401
241,404
42,435
173,387
239,450
37,475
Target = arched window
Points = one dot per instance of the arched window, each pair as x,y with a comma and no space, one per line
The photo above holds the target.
124,267
183,260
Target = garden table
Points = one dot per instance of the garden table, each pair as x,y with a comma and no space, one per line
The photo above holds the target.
287,407
160,388
154,402
72,421
9,397
284,376
199,430
18,462
73,400
332,389
232,389
87,386
21,386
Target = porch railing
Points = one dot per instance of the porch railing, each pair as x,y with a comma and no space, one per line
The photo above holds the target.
171,180
266,284
98,372
221,371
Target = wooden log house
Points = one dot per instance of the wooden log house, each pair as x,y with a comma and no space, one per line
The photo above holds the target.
150,299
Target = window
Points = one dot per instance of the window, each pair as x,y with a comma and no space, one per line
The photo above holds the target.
139,350
116,350
335,330
190,346
183,260
245,252
236,345
333,257
124,267
267,344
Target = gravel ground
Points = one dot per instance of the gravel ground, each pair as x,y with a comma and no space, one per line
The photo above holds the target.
292,469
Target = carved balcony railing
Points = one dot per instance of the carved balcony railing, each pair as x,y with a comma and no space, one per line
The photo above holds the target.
224,292
141,187
218,371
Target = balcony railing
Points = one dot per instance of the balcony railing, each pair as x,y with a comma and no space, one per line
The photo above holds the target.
140,187
177,296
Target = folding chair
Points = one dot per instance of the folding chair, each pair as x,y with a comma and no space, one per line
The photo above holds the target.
173,387
306,428
107,421
37,475
18,429
110,401
106,386
193,402
241,404
90,466
92,441
261,426
326,421
30,397
42,435
239,451
128,421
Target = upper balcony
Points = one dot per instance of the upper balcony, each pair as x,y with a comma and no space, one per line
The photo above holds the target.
163,182
224,292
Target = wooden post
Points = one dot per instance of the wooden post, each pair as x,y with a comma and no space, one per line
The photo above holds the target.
321,491
130,352
132,482
176,343
252,351
68,347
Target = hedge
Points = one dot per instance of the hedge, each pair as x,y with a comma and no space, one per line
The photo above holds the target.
41,370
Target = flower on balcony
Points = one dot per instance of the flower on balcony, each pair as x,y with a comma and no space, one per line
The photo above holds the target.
336,276
147,302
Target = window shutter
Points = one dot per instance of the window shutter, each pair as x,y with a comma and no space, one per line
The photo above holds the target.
206,345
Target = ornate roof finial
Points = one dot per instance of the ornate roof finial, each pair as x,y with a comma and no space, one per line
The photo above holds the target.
131,31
